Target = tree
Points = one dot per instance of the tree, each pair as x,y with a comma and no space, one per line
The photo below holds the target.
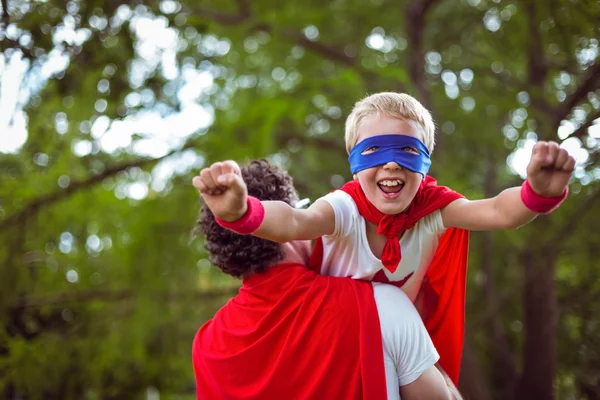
95,216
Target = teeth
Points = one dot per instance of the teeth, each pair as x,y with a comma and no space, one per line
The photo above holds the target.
391,183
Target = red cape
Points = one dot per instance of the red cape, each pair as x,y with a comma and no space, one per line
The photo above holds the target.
292,334
441,300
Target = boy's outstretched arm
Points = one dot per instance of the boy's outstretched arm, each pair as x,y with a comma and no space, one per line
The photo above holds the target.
548,174
225,193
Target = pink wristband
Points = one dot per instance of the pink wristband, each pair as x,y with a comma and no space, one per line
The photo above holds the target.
540,204
251,220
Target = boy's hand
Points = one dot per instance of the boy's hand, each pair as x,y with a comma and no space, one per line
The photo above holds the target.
223,190
549,169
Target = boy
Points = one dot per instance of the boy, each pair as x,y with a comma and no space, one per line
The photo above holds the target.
391,222
292,333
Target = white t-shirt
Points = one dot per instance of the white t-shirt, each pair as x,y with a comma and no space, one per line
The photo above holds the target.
408,349
346,252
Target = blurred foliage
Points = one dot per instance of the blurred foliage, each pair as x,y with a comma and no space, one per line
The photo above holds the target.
102,285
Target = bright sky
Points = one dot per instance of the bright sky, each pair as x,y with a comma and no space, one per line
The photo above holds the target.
156,47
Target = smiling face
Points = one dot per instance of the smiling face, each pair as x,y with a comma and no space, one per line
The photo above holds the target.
388,187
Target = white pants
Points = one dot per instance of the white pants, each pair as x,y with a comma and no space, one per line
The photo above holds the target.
407,347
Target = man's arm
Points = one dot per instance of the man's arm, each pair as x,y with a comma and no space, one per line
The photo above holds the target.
454,393
225,193
430,385
548,174
434,383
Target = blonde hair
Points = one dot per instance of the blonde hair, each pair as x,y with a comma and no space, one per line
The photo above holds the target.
393,105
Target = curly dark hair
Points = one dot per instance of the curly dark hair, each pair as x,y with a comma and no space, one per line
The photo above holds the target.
244,255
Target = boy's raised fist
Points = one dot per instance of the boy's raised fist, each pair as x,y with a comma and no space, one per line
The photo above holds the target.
223,190
549,169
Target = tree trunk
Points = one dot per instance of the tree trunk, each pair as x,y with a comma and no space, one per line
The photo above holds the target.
503,372
472,384
539,365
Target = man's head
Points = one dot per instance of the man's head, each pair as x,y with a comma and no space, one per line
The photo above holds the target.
244,255
388,186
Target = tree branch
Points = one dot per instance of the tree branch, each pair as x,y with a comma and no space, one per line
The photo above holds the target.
244,13
537,65
59,299
8,43
594,158
5,17
555,65
34,206
589,82
583,129
329,52
415,22
504,77
569,63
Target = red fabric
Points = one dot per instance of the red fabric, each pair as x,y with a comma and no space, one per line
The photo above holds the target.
441,299
292,334
540,204
429,198
250,221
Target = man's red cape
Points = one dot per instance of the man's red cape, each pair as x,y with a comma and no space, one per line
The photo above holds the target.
441,300
291,333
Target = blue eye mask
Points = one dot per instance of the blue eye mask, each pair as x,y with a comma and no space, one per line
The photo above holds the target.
390,148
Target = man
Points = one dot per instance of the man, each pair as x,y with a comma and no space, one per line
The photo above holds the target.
291,333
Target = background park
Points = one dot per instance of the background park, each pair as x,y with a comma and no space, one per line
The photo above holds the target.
109,108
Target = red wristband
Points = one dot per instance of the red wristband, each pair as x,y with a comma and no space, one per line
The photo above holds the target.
540,204
251,220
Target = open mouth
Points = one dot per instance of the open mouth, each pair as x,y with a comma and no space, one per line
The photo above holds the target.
390,188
